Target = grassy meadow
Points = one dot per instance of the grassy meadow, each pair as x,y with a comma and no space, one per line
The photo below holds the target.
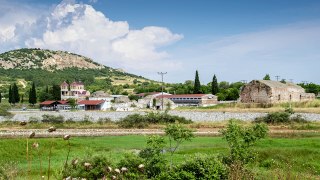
296,157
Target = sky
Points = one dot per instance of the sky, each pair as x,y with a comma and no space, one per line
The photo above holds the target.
235,40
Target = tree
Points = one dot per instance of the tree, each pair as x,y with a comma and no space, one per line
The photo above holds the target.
177,134
56,92
197,84
214,85
15,94
10,94
22,98
33,94
0,97
283,81
267,77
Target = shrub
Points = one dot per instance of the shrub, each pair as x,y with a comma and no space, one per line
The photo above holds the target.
133,121
280,117
240,139
197,167
95,168
104,120
46,118
131,162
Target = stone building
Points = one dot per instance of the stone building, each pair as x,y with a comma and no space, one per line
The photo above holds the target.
74,90
267,91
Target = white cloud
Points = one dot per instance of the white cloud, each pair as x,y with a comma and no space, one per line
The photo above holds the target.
81,29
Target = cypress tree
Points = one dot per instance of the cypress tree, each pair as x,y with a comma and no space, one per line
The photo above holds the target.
0,97
21,101
197,84
56,92
10,94
33,94
214,85
15,94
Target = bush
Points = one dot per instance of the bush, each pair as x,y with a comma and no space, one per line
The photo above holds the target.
143,121
96,169
131,162
46,118
133,121
198,167
240,139
280,117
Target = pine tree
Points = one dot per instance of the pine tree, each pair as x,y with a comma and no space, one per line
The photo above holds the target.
214,85
10,94
197,84
15,94
33,94
266,77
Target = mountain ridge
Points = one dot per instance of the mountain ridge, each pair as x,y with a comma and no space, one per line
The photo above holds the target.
50,60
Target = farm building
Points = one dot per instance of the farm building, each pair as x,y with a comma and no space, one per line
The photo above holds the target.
267,91
192,99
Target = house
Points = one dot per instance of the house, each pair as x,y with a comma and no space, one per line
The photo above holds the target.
54,105
267,91
192,99
94,105
74,90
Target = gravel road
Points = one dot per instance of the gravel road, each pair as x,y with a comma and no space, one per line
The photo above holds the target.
196,116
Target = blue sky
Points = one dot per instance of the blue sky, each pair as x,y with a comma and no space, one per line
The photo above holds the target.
236,40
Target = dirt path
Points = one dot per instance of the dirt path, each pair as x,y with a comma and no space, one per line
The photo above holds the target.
15,133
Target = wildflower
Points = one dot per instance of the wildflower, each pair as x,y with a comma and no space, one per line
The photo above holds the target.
32,134
35,145
74,162
87,165
51,129
117,171
141,167
109,169
66,137
124,169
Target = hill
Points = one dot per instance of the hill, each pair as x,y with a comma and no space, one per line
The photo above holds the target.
47,67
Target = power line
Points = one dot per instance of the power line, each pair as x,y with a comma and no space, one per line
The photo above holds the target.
162,73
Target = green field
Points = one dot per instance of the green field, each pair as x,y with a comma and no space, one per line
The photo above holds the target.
276,156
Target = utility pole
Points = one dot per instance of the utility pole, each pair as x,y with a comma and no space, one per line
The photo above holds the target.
162,73
291,80
277,77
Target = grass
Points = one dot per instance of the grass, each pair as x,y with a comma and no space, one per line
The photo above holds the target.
275,155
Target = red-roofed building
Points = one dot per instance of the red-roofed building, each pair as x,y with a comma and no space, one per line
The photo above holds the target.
75,90
93,104
192,99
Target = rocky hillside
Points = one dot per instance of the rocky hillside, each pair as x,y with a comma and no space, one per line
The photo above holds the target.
46,60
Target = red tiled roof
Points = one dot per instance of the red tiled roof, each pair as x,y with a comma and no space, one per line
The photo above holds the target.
91,102
77,83
63,102
47,102
182,96
64,84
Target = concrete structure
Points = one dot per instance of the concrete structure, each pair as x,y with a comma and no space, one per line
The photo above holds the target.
267,91
192,99
75,90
